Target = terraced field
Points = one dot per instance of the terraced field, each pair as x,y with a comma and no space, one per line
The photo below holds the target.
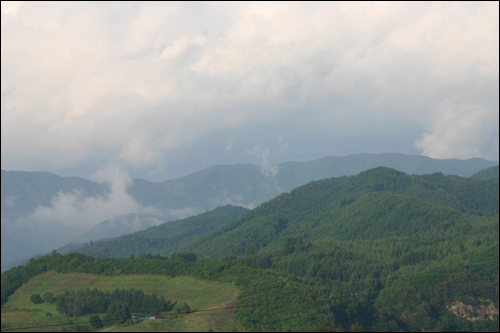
19,313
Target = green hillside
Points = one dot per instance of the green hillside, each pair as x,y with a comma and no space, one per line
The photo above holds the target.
126,223
397,204
239,185
379,251
389,284
199,295
391,202
166,235
487,173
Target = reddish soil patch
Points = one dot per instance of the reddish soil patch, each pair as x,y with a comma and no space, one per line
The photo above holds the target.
112,329
47,273
82,275
242,329
15,315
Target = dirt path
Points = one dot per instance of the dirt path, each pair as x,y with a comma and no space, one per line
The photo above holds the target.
235,298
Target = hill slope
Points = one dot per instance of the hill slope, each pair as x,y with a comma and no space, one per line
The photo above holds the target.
242,185
382,249
22,192
166,235
250,185
394,202
491,172
199,295
326,202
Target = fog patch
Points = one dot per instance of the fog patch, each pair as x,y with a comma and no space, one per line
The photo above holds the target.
270,171
9,201
224,198
74,209
181,213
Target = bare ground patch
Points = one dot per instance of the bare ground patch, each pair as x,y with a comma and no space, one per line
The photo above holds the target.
83,275
15,315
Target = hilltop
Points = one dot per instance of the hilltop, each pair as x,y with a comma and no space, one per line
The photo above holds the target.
393,202
491,172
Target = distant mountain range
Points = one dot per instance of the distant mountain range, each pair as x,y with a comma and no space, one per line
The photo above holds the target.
239,185
376,203
384,250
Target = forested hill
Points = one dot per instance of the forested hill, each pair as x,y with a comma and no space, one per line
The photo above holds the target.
240,185
250,185
163,236
380,202
379,251
377,203
491,172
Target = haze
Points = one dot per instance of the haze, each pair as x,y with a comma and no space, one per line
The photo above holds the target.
164,89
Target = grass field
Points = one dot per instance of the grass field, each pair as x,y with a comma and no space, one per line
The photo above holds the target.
20,313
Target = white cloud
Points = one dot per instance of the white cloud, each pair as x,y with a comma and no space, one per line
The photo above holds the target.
133,83
74,209
10,7
253,151
284,148
270,170
175,49
461,131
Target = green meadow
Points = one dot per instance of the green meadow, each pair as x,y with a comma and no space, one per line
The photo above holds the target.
20,314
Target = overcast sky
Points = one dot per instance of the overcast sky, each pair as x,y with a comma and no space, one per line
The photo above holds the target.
165,89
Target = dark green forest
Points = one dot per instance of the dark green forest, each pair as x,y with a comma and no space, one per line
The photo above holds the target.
166,235
381,251
377,203
491,172
116,305
279,299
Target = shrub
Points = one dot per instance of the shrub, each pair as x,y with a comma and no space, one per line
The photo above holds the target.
36,299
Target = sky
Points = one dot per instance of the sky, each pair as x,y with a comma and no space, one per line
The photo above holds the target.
160,90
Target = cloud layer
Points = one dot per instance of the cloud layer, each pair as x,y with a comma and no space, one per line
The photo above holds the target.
150,85
76,210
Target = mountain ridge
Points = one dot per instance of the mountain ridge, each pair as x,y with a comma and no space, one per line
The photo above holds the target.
379,251
327,200
240,185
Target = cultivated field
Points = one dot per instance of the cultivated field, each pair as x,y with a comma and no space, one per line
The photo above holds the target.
20,313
